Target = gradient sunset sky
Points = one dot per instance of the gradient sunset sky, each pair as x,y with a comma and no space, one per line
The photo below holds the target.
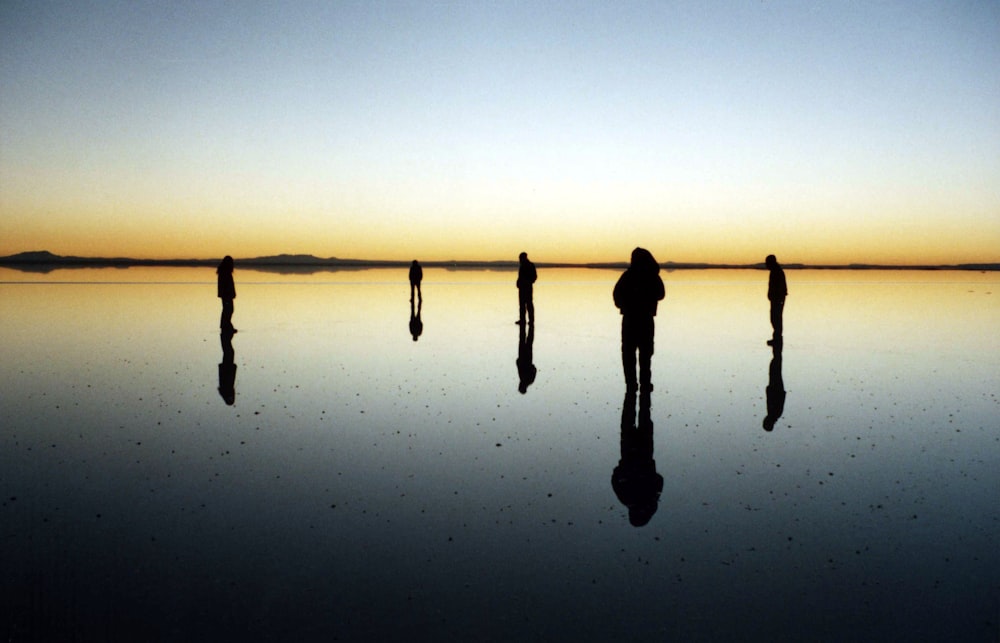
826,132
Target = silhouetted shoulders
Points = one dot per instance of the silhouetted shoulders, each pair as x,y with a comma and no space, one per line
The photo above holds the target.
226,289
777,287
638,293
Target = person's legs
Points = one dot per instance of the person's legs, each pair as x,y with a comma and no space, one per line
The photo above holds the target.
777,308
524,303
628,355
226,321
645,345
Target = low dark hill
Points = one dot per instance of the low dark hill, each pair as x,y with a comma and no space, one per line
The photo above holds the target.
45,261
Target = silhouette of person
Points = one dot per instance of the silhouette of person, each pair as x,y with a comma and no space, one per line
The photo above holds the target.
636,295
526,276
416,325
227,369
635,480
526,370
775,391
777,290
416,276
227,293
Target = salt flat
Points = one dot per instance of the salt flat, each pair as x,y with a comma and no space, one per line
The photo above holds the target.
364,485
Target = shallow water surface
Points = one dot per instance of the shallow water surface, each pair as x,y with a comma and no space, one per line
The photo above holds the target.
363,485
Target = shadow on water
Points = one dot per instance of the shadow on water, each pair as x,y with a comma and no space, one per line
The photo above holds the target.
227,369
635,480
775,391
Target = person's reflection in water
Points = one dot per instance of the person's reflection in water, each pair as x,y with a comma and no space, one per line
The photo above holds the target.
775,391
416,324
227,369
526,370
635,480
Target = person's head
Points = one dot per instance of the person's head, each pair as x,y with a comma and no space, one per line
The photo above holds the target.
641,513
226,265
522,256
771,261
769,423
414,262
642,259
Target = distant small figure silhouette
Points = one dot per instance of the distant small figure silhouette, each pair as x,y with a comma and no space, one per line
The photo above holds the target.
227,369
526,276
416,276
775,391
635,480
416,324
777,290
526,370
636,295
227,293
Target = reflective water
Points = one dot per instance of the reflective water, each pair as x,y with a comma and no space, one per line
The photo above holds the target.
363,485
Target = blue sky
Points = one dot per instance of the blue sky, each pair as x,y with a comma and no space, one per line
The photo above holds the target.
833,131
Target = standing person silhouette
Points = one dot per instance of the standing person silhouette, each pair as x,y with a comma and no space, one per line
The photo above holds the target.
416,276
526,276
227,293
777,290
636,295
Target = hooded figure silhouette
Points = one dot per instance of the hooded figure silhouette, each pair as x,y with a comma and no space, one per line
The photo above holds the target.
636,295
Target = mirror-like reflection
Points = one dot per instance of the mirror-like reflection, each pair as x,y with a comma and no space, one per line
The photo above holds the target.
635,480
416,323
359,486
775,391
526,370
227,369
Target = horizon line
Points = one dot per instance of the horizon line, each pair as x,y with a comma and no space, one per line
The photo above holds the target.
45,257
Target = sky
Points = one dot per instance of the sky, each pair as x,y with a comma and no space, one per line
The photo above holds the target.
822,132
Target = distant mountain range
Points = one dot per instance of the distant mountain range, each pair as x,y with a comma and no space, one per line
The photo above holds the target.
45,261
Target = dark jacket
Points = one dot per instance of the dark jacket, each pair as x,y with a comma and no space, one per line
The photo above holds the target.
526,275
227,289
639,288
777,287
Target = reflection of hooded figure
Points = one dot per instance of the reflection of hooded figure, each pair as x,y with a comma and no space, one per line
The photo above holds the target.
416,325
526,370
227,369
635,480
775,390
636,295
